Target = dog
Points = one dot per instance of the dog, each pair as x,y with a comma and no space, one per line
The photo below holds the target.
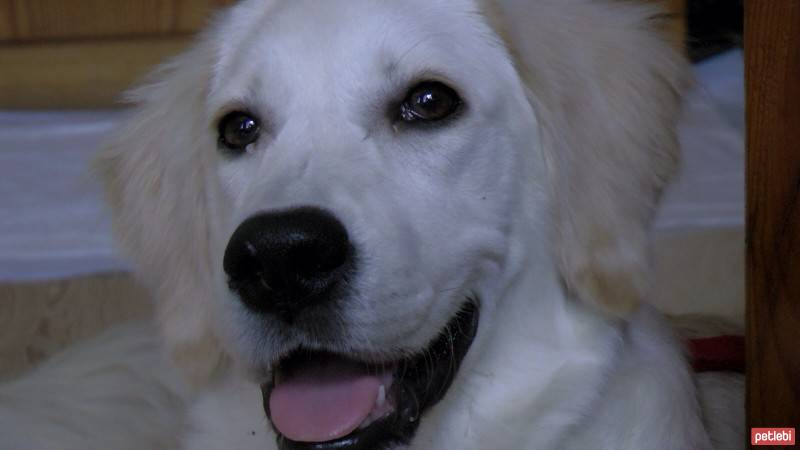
412,225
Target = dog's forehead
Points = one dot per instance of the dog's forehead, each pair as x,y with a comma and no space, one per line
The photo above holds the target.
304,41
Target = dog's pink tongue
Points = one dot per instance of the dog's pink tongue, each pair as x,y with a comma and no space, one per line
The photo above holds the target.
322,402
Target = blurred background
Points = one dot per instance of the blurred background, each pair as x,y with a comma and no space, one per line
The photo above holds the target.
83,53
64,63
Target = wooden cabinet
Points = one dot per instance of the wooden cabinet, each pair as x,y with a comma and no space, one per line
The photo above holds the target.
84,53
59,20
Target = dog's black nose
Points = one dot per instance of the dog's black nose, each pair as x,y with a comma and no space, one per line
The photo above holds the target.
283,262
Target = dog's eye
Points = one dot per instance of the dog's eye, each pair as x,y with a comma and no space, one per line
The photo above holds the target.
429,101
237,130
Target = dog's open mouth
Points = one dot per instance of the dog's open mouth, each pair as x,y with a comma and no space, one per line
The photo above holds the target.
325,401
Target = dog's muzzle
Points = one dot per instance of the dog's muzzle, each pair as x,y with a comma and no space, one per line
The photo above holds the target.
295,266
283,263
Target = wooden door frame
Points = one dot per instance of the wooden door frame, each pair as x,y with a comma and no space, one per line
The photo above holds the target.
772,61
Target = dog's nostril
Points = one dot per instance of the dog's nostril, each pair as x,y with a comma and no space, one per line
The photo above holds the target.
286,261
315,258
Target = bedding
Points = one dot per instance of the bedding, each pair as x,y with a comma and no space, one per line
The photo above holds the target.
53,220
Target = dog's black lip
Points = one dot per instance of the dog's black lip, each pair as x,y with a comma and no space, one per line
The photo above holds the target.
417,386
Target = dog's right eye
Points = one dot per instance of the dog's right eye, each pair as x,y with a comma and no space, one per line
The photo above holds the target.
429,101
237,130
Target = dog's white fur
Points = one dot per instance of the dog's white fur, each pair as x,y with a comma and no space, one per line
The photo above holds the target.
114,391
536,201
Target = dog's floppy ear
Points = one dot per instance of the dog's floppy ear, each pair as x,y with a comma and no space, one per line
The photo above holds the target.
606,85
155,173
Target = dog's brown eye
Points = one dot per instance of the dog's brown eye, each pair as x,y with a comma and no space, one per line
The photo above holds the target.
237,130
429,101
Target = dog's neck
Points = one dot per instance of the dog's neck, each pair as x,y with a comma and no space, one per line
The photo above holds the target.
547,371
538,359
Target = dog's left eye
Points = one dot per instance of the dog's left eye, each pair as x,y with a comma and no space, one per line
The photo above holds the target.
237,130
429,101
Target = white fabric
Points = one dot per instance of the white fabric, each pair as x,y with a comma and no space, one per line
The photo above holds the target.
52,219
709,190
53,223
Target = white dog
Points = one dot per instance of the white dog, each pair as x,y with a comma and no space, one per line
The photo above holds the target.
417,224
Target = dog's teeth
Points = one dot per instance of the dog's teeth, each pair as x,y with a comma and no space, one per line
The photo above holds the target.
381,396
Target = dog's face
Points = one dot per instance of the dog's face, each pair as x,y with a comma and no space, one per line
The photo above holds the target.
337,195
370,157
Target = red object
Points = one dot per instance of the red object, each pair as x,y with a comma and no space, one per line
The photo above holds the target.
718,353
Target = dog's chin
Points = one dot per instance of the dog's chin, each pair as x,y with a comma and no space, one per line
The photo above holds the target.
321,400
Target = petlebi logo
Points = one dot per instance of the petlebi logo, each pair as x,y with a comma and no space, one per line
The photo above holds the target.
771,436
